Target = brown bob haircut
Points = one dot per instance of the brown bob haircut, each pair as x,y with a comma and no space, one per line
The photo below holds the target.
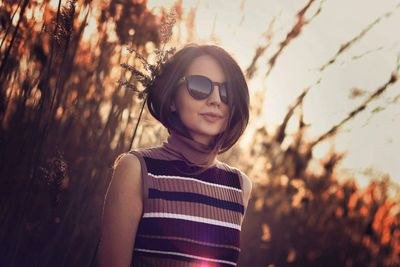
162,93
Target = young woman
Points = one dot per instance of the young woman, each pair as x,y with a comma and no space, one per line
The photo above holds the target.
176,204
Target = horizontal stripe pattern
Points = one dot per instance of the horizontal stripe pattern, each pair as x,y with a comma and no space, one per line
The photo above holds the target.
188,248
193,209
177,168
195,197
190,179
187,256
189,218
146,259
189,240
189,229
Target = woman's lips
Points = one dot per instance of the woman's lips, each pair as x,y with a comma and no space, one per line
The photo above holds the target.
211,117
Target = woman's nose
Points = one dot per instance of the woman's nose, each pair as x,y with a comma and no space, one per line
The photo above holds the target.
215,97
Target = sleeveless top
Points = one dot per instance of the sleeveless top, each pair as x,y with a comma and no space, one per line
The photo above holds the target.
192,207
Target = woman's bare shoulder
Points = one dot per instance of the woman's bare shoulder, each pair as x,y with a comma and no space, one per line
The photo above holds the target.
127,172
126,160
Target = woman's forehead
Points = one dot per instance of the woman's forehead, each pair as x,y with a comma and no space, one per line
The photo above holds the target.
208,66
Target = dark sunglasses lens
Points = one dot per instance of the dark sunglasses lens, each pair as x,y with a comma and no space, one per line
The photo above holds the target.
199,86
223,93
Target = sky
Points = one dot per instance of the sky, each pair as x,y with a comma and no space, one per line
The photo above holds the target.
371,141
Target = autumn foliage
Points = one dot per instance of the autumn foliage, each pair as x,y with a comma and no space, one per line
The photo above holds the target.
65,118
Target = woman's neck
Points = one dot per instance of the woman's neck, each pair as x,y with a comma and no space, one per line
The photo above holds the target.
189,150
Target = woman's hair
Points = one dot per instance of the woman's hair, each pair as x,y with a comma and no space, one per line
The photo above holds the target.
162,93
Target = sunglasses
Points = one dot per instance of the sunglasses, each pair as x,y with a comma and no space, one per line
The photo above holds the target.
200,87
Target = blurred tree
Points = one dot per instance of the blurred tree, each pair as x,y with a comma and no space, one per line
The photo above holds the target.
65,119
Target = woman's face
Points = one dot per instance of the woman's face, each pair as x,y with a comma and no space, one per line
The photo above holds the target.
204,119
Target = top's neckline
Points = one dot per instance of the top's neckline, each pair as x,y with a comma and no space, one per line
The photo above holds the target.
190,151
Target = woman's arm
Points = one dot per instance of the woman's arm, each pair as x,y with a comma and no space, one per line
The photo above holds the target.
121,213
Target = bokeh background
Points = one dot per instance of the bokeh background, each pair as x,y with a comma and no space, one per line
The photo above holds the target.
321,147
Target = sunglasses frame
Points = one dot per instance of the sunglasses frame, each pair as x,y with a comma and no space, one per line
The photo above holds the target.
213,84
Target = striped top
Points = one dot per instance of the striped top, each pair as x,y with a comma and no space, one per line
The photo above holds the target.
191,216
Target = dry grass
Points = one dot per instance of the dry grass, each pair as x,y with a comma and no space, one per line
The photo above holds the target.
65,119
